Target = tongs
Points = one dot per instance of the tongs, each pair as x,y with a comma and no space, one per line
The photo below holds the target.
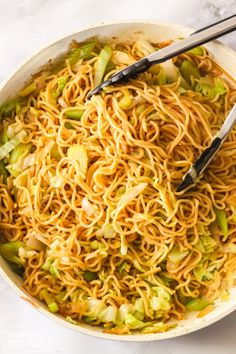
197,38
196,170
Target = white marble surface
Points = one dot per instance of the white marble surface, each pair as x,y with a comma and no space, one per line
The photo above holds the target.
25,26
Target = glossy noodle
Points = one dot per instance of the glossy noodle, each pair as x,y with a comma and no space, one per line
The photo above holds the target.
89,213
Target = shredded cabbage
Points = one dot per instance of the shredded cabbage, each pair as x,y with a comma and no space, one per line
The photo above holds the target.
10,251
197,304
160,300
202,274
124,310
79,154
133,323
172,73
230,248
206,244
108,314
189,71
11,144
131,194
15,159
87,207
209,88
176,255
109,231
156,328
145,47
122,58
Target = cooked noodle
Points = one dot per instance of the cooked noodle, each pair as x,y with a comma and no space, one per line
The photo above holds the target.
103,226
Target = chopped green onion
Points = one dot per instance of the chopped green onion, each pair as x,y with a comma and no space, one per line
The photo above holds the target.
189,70
161,77
137,265
200,51
157,328
4,137
175,255
28,90
19,270
95,245
89,276
82,52
89,319
69,319
127,100
61,83
49,299
74,114
11,144
10,251
68,125
221,220
165,279
54,153
53,307
46,265
123,267
3,171
197,304
54,271
101,64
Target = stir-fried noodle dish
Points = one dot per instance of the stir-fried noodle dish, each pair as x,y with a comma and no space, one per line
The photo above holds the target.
89,213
